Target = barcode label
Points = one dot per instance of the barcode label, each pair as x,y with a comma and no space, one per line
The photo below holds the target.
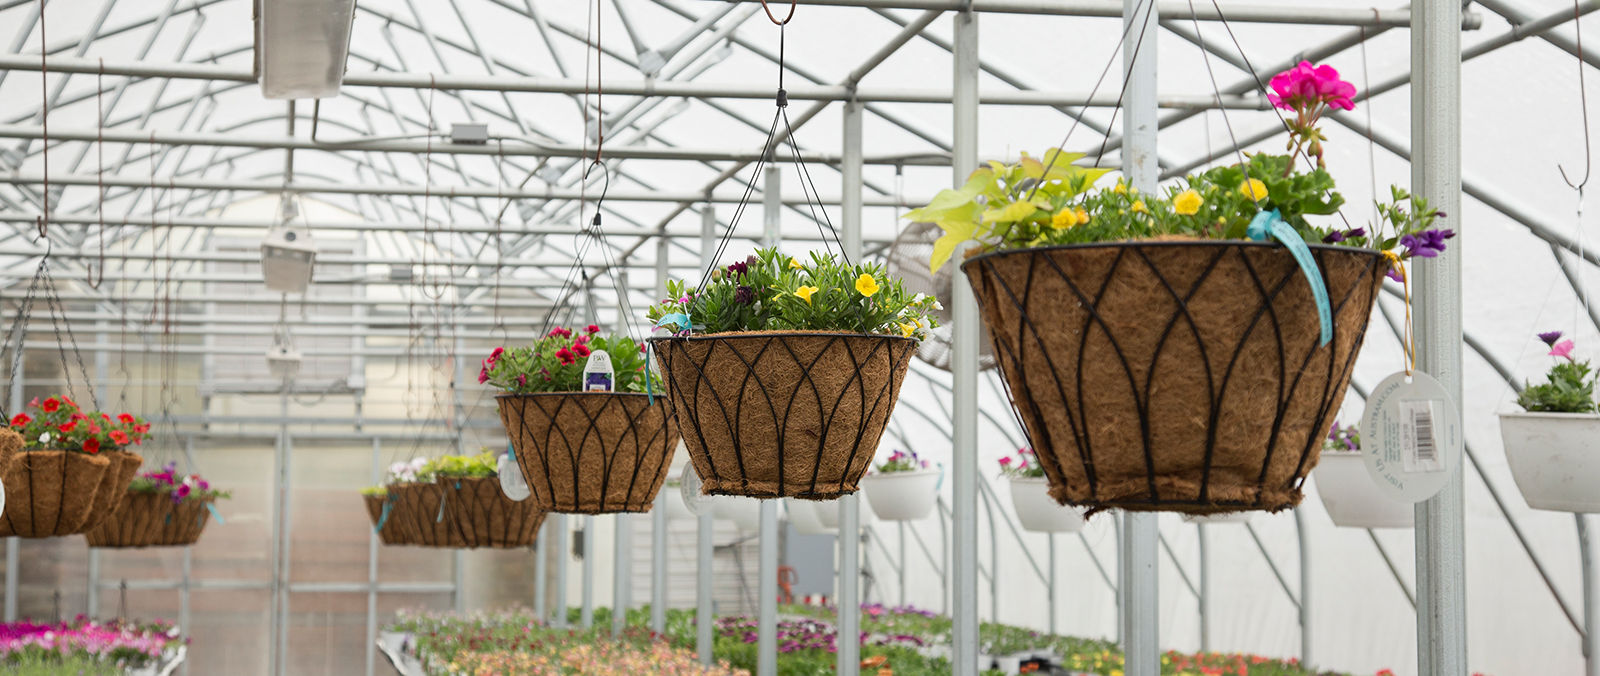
1417,437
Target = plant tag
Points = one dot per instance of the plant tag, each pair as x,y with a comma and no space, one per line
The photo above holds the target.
512,483
1410,436
597,373
689,490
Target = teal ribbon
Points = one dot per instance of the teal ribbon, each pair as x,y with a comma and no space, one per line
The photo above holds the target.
213,509
440,518
649,388
384,517
1271,223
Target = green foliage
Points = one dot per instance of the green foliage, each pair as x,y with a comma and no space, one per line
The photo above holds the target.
555,363
1569,388
772,292
465,466
48,665
378,491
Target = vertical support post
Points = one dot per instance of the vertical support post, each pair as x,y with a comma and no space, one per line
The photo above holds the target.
849,599
94,583
902,568
541,570
964,364
772,206
767,587
622,568
658,514
586,611
14,543
1589,550
1140,534
283,525
1305,589
705,614
458,582
705,546
1051,538
1205,593
1436,175
183,604
563,559
376,474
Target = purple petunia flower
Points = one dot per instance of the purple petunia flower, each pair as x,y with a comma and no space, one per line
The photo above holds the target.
1426,244
744,295
1341,235
739,268
1550,337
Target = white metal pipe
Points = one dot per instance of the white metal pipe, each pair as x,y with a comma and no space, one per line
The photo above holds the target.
1325,16
1436,176
563,562
848,643
1140,586
658,513
1205,592
586,610
541,570
1304,538
1589,551
705,615
767,587
771,209
964,366
13,563
622,569
375,476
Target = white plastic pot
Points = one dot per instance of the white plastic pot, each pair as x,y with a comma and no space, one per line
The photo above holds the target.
1039,512
803,514
828,512
1555,458
1352,499
902,496
743,512
1226,517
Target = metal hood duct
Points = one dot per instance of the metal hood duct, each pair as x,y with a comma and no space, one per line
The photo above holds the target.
301,47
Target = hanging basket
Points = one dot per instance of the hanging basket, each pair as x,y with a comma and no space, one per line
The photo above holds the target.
10,445
417,510
1037,512
1181,376
151,520
783,414
1555,459
903,496
483,516
109,498
51,493
590,453
388,527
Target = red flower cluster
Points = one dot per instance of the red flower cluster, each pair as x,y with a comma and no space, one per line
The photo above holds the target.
63,425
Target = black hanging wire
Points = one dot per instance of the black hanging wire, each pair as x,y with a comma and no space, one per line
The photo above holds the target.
769,154
1583,97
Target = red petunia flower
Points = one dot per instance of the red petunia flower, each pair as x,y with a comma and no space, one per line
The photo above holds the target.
581,349
126,419
565,356
142,428
79,416
50,405
67,427
106,417
119,436
20,420
94,429
483,374
91,445
592,329
68,401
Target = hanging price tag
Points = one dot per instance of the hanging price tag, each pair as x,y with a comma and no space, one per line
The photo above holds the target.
512,483
1411,436
597,372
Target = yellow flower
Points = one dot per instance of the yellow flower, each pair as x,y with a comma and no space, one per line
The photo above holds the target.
1139,207
1187,202
1121,189
908,329
794,264
1253,189
805,292
1083,217
1063,219
866,285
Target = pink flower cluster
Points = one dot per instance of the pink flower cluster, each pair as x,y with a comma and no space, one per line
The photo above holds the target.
169,481
1306,88
127,644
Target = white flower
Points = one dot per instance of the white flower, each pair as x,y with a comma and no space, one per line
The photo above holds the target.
44,438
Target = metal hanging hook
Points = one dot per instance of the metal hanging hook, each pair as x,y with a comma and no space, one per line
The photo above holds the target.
774,19
1583,98
604,187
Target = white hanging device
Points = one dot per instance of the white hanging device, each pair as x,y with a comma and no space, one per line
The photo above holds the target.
282,358
287,252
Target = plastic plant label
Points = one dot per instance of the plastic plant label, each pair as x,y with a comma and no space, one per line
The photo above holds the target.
598,375
689,490
512,483
1411,436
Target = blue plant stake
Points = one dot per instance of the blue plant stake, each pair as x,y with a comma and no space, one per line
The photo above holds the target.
1271,223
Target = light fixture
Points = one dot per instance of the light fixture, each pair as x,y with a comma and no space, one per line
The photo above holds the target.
283,360
287,252
301,47
469,133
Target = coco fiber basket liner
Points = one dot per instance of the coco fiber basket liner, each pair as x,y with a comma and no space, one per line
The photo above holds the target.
151,520
1174,376
51,493
484,517
422,521
783,414
590,453
388,528
107,500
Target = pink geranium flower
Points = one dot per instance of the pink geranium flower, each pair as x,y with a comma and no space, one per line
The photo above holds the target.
1305,87
1562,349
